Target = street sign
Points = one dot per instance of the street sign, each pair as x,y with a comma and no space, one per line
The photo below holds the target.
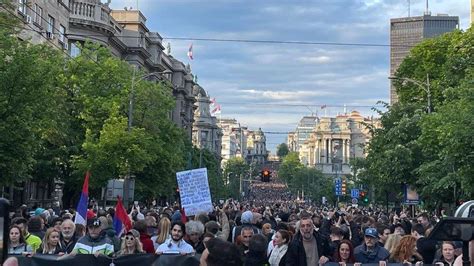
355,193
355,201
338,187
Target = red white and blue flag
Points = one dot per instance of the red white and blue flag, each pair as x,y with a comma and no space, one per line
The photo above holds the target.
190,52
122,222
81,213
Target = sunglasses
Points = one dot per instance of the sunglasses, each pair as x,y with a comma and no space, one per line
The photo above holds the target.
129,238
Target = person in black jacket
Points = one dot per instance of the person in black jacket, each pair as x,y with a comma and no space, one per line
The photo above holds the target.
371,251
67,238
308,246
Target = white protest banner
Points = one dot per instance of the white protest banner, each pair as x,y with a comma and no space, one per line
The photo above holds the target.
194,191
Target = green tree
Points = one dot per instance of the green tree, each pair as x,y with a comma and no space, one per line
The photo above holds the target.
282,150
28,103
234,168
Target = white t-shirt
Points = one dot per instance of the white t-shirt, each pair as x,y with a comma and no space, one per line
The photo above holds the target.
171,247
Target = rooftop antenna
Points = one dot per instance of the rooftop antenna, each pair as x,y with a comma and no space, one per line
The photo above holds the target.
409,15
427,11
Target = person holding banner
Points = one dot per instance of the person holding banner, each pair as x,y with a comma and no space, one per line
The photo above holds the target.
94,242
176,245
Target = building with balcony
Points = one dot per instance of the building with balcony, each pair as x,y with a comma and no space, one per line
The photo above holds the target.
256,147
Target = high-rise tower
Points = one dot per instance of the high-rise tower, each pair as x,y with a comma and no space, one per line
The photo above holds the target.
406,32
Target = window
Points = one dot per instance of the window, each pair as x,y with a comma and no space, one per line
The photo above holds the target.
50,28
22,6
62,30
38,14
75,51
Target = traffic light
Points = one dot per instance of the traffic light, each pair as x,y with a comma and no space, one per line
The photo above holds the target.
364,196
265,176
343,186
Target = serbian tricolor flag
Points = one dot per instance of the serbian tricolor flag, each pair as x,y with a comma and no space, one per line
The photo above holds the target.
121,219
190,52
81,213
184,219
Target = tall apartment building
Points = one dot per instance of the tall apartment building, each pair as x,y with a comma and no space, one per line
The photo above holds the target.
405,33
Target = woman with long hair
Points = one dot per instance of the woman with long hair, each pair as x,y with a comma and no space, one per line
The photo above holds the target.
16,242
448,257
392,242
344,252
131,243
164,227
50,243
406,252
278,255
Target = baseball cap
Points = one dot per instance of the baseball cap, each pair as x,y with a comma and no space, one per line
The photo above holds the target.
372,232
94,222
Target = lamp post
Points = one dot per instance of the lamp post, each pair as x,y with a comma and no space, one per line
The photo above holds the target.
126,181
424,86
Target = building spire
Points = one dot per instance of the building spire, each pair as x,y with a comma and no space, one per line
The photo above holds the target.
427,11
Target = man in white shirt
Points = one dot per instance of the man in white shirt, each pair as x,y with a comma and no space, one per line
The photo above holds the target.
176,245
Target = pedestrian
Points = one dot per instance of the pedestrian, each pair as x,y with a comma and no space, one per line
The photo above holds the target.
67,238
392,242
33,241
219,252
164,229
371,251
308,247
406,252
344,252
194,231
16,242
278,254
94,242
131,244
448,257
50,243
176,245
246,221
147,243
257,253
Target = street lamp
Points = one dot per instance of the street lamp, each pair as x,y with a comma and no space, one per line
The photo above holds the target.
165,73
424,86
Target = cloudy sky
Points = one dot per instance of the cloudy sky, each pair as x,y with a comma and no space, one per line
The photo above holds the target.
272,85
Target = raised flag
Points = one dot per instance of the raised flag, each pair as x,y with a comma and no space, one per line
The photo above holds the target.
190,52
81,213
216,109
121,219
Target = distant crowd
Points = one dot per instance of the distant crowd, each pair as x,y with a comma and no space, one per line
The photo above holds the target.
239,233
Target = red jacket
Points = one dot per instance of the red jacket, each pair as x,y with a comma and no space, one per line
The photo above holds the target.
147,243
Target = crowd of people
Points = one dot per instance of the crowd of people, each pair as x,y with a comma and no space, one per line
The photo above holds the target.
259,231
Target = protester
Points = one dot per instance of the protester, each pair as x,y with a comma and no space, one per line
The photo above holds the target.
131,243
448,257
257,253
246,220
16,242
94,242
50,243
36,226
147,243
220,252
406,252
371,251
344,252
278,253
164,229
33,241
68,238
243,240
426,247
392,242
308,246
176,245
194,231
